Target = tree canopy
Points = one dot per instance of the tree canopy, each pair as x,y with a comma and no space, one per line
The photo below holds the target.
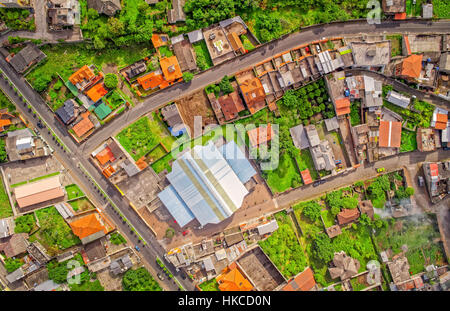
111,81
312,210
139,280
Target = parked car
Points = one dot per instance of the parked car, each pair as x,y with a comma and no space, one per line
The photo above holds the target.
421,181
137,248
160,276
40,125
322,181
316,183
380,170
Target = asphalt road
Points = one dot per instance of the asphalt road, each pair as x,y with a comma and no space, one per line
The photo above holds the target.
71,160
258,55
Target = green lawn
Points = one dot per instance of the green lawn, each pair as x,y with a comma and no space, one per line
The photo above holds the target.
396,44
73,191
209,286
5,206
203,59
285,176
355,116
82,204
165,51
87,286
305,161
409,142
55,234
441,8
327,217
247,44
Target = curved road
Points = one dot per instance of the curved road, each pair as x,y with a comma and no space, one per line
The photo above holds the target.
258,55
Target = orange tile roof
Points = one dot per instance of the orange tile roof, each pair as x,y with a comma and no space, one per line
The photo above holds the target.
306,176
434,169
400,16
96,92
150,81
141,164
105,155
3,123
233,280
390,134
260,135
253,93
304,281
87,226
84,73
83,126
157,42
441,121
107,172
236,42
412,66
342,106
170,68
347,215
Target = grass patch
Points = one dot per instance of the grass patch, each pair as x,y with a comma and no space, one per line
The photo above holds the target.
284,176
246,43
355,116
73,191
81,205
396,44
44,177
54,233
441,8
25,223
117,238
5,206
165,51
408,141
209,286
327,217
203,59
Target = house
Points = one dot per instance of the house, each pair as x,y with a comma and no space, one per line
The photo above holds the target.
444,63
398,99
38,192
366,207
304,281
27,57
107,7
15,276
23,144
333,231
210,191
313,136
62,13
170,68
399,269
5,121
96,92
173,118
391,7
93,251
151,80
231,105
89,228
371,54
331,124
439,119
390,133
427,10
185,55
121,265
344,266
159,40
195,36
14,245
82,78
38,252
298,134
176,14
254,95
68,112
219,47
260,135
373,90
135,69
84,126
410,67
347,216
236,43
342,106
232,279
267,227
306,176
323,156
102,111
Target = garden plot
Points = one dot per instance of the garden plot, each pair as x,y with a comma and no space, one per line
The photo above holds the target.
57,94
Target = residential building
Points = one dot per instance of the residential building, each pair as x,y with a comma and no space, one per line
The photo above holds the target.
151,80
170,68
398,99
410,67
63,13
89,228
347,216
195,36
14,245
390,133
28,56
231,105
5,228
427,10
121,265
306,176
176,14
333,231
96,92
83,126
444,63
232,279
267,227
68,112
373,90
23,144
82,78
236,43
107,7
323,156
331,124
439,119
437,178
399,268
15,276
37,192
135,69
371,54
366,207
207,184
342,106
326,64
159,40
173,118
219,47
254,95
298,134
344,266
391,7
185,55
260,135
304,281
313,136
360,138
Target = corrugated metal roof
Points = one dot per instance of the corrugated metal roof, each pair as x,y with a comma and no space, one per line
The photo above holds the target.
176,206
238,161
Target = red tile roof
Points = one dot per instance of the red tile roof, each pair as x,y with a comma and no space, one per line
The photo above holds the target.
408,47
434,169
96,92
342,106
105,155
304,281
400,16
231,105
170,68
306,176
441,121
412,66
253,93
347,216
390,134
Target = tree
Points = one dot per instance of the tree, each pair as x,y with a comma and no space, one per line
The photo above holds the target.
12,265
111,81
139,280
225,85
24,224
57,271
409,191
335,210
188,76
312,210
289,99
322,248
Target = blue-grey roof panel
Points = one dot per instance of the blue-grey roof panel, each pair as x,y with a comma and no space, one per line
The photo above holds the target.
238,162
176,206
